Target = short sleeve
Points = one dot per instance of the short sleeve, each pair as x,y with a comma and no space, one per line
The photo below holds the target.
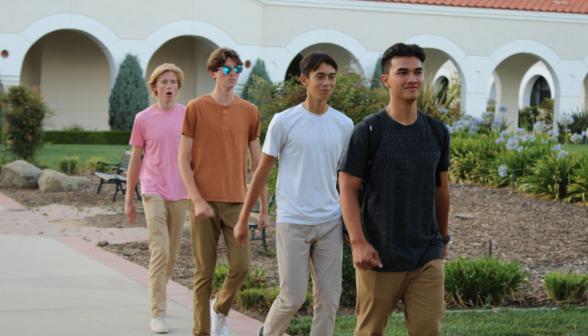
137,138
275,137
255,126
355,153
189,124
445,161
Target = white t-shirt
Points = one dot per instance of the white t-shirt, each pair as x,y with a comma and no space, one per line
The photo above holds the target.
308,147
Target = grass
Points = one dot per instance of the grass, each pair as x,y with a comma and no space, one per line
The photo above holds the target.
508,322
51,154
577,148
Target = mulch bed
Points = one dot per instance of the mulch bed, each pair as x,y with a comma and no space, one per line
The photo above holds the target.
545,235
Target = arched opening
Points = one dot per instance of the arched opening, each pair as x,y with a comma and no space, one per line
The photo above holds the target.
73,74
442,84
584,95
539,92
190,54
343,58
442,72
524,82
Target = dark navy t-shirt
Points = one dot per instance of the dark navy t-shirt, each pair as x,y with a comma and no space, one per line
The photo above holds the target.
398,216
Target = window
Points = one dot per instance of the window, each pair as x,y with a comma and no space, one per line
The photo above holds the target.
540,92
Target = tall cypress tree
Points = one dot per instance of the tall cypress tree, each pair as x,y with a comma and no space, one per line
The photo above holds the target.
128,96
376,81
1,115
258,70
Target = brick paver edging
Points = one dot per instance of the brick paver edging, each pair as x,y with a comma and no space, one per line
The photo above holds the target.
236,321
9,204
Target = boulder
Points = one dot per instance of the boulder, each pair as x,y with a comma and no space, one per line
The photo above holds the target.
20,174
52,180
80,182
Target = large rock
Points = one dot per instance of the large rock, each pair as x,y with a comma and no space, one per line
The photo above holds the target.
20,174
80,181
52,180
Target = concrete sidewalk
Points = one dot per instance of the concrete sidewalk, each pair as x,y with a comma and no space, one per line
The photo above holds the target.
67,286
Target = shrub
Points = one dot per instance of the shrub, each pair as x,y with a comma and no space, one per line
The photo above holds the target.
220,274
483,281
566,287
74,164
443,105
255,279
252,298
376,82
128,96
348,286
73,127
578,187
87,137
24,113
258,70
92,164
270,295
550,177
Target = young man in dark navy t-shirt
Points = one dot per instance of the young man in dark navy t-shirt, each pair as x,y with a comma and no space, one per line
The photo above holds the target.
400,233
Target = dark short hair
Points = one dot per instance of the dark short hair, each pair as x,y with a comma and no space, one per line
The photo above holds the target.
218,58
401,50
313,61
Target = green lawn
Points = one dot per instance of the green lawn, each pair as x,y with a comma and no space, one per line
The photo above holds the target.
50,154
577,148
567,321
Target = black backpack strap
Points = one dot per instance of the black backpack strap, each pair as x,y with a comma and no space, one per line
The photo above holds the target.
441,135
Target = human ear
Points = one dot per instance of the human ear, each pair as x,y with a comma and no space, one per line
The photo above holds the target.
304,80
384,80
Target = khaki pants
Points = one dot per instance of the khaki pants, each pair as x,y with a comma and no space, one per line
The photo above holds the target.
300,248
165,224
204,234
421,292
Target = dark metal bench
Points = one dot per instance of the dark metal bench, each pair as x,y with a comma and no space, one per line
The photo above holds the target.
116,177
253,226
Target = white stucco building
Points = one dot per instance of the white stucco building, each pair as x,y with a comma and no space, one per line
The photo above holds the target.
72,49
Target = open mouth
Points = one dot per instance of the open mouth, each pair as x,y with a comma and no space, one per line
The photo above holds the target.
169,94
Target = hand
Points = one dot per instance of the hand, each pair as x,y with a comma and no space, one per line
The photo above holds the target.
202,209
365,256
131,212
241,232
263,221
444,252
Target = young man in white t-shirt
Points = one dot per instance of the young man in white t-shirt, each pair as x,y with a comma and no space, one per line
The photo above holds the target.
308,139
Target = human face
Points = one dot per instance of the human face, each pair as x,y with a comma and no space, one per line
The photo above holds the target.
166,86
404,78
320,83
227,81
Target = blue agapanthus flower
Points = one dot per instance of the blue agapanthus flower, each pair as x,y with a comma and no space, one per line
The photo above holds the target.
520,131
512,143
566,119
499,140
442,110
557,147
562,154
503,108
505,134
576,138
502,171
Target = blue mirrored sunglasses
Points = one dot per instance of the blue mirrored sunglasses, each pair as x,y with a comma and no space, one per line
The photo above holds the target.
227,69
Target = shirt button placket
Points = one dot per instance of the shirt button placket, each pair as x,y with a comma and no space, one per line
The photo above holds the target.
225,117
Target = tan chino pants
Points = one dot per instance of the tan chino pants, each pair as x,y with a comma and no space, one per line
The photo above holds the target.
204,233
165,224
421,292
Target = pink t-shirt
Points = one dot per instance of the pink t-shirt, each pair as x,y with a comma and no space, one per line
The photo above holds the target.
158,132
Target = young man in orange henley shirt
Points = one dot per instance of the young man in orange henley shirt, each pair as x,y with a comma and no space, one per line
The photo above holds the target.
218,130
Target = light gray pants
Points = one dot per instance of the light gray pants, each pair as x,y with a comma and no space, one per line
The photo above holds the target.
300,248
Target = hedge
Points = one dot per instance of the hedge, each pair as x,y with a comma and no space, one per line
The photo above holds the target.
87,137
98,137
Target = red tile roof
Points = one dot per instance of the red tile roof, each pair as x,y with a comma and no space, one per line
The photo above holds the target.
559,6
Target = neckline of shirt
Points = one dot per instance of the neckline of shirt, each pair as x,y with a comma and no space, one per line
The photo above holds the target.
162,111
221,105
314,114
394,122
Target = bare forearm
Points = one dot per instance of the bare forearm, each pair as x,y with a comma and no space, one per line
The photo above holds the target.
352,215
132,176
263,192
188,178
257,190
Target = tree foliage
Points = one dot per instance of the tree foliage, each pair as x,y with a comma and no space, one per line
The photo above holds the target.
258,70
1,115
24,113
352,96
129,95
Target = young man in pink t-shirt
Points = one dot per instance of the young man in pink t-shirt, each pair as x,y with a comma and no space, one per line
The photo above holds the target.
165,198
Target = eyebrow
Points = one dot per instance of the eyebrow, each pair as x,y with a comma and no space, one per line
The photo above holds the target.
323,73
406,69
